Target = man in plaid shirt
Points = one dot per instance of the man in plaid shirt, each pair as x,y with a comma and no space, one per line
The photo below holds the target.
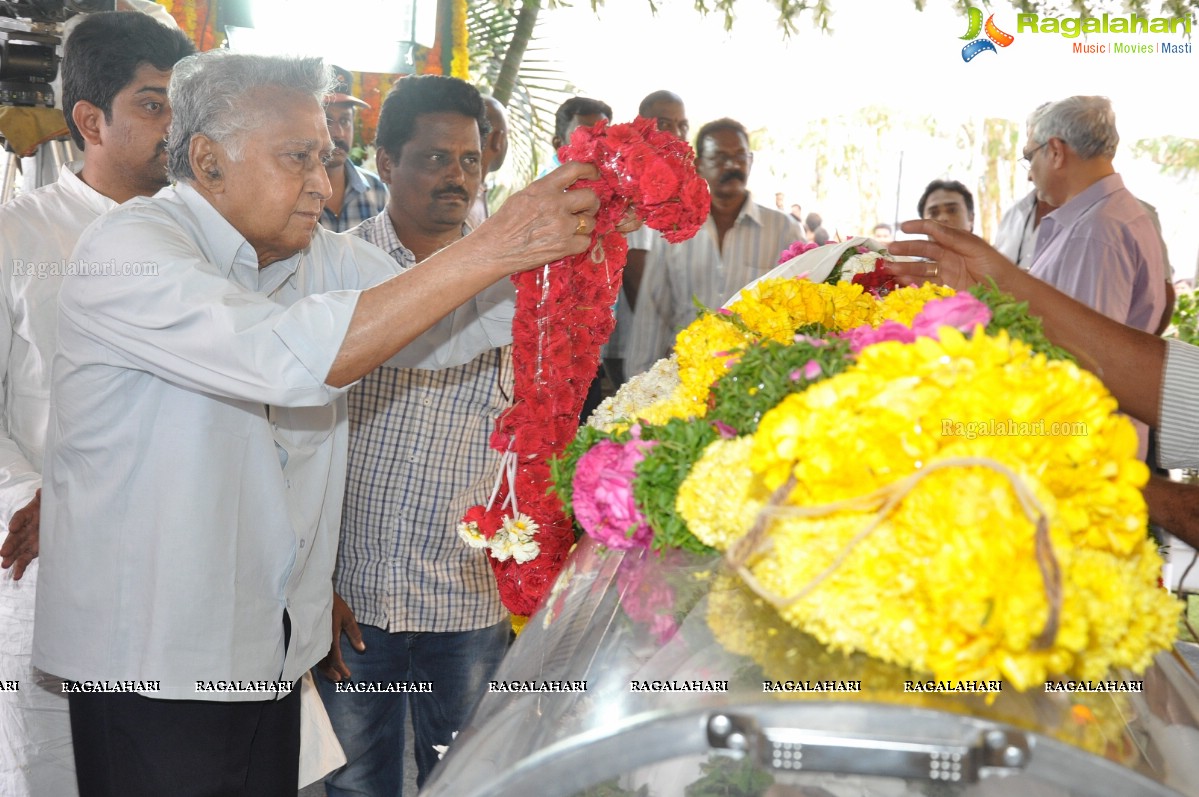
427,608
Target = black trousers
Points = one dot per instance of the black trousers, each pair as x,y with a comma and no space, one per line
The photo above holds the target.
127,745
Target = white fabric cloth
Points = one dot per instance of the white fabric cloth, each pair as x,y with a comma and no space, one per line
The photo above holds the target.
38,230
1016,238
195,458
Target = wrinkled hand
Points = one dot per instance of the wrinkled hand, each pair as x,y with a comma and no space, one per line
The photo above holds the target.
544,222
333,666
21,546
954,257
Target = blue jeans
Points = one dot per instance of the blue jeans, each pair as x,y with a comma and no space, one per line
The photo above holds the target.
370,725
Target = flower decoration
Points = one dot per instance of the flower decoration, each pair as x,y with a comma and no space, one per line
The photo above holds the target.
854,514
563,317
603,482
918,476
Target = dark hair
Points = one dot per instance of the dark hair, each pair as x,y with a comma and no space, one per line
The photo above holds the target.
577,106
717,126
946,185
104,51
421,94
813,221
820,236
654,98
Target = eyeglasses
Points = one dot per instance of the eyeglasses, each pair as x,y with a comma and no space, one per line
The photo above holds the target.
1026,161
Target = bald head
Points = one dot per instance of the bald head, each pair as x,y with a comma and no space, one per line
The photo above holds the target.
495,148
667,111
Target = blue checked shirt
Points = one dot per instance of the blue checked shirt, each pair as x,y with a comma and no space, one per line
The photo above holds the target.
418,460
366,197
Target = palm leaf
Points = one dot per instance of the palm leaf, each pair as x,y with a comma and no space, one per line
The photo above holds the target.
506,61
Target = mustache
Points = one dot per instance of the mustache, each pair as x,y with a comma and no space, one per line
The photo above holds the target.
341,144
735,174
457,191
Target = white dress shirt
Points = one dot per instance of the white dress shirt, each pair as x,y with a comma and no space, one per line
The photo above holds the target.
700,268
195,458
38,230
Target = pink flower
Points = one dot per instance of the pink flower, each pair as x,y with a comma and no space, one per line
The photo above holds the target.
603,494
727,432
960,311
812,370
795,250
865,335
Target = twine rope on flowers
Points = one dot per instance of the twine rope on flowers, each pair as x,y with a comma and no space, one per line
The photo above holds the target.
882,501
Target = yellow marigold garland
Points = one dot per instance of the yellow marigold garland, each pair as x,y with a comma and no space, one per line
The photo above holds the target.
773,310
949,583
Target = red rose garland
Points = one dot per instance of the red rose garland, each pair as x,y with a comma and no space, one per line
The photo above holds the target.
563,317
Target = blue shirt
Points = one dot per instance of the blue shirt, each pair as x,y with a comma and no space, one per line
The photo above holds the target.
365,197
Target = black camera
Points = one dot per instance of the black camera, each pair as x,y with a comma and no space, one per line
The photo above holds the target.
30,41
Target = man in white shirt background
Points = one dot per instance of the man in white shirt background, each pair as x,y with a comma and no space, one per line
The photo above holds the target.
115,74
740,241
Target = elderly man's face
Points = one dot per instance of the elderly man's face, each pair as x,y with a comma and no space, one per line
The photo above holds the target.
436,176
274,193
135,138
949,208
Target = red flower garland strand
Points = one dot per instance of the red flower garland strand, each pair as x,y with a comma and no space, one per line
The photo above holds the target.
563,317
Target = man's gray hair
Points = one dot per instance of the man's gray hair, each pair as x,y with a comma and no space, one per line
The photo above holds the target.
1087,124
208,92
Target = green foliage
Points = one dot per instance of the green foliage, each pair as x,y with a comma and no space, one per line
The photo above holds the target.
680,445
762,377
1009,314
730,777
1175,155
506,62
1185,320
612,788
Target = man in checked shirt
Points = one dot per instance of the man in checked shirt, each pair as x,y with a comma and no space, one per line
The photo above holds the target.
426,605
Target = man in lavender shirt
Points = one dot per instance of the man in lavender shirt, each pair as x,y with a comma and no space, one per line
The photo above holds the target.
1099,245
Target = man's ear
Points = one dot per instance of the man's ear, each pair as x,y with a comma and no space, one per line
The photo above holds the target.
207,160
383,165
90,121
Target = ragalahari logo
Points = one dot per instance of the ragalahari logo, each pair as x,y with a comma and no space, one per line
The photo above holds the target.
994,36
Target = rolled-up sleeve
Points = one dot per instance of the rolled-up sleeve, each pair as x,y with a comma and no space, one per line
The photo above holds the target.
1178,432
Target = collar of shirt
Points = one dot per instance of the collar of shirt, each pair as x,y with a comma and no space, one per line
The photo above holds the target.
72,183
354,179
382,233
232,254
747,215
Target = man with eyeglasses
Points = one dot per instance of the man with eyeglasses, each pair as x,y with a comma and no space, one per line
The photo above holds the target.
739,242
1099,245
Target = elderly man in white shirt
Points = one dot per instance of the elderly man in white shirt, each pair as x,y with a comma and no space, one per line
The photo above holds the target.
115,76
196,453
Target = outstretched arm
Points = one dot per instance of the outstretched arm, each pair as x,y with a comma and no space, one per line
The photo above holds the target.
1130,362
539,225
